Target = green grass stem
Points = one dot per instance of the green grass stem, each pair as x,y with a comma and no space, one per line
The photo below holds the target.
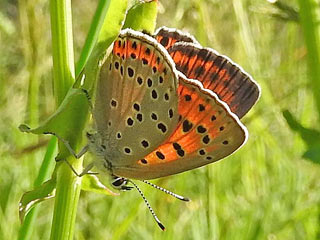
44,172
310,26
93,34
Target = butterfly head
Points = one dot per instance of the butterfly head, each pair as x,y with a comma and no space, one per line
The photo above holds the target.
120,183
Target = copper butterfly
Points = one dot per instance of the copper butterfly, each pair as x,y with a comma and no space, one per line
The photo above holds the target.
165,105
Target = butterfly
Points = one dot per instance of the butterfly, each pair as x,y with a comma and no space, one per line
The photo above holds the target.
165,105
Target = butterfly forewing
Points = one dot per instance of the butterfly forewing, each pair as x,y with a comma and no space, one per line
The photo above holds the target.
207,131
136,100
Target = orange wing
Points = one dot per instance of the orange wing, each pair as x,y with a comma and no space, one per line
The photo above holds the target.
207,131
216,72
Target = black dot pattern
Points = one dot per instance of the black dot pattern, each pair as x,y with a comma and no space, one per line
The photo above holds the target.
201,129
186,126
162,127
201,108
170,113
113,103
154,69
154,94
176,146
127,150
187,97
139,117
180,152
202,152
160,155
136,107
154,116
144,161
144,143
130,72
179,149
119,135
206,139
139,80
166,96
130,121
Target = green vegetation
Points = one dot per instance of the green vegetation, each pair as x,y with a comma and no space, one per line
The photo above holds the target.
269,189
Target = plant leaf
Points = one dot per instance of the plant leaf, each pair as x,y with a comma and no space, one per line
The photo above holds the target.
74,106
313,154
310,136
39,194
112,23
91,183
142,17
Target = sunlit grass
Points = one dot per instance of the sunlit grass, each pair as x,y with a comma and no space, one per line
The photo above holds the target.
264,191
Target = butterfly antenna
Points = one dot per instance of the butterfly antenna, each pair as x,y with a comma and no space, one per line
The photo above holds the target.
167,191
149,207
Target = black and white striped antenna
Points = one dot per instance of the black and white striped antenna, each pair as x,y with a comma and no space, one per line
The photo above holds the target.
167,191
147,203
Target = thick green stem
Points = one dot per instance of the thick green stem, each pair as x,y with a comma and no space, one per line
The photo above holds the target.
68,185
62,47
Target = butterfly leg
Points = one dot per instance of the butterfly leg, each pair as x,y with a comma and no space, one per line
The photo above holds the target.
76,155
67,145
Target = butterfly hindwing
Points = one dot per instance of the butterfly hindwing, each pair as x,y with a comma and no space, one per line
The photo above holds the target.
167,37
216,72
207,131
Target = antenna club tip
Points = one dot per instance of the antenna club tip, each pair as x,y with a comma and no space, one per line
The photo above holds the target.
186,199
161,226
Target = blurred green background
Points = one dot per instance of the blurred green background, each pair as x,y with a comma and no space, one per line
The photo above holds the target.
264,191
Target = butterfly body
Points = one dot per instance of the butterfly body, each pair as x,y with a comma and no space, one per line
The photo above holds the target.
165,105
